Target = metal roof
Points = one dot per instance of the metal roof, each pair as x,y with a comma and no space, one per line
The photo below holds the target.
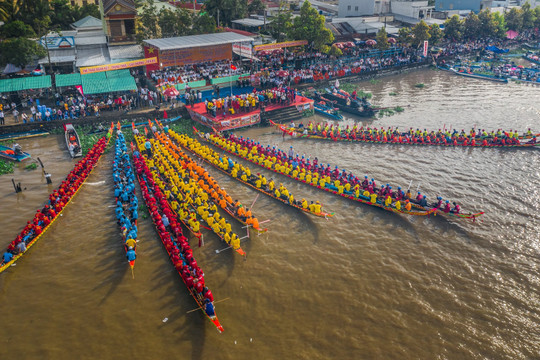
197,41
90,38
59,56
92,57
88,22
126,52
250,22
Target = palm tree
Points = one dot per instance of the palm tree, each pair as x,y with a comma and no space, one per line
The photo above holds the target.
10,10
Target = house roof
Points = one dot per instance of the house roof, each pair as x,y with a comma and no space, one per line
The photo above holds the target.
183,42
109,4
87,22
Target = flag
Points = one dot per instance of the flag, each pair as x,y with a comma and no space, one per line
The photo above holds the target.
79,87
233,67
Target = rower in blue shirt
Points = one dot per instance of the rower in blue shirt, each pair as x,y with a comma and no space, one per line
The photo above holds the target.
130,254
7,257
209,308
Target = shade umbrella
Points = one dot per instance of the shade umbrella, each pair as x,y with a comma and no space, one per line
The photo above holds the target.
371,42
171,92
282,73
392,40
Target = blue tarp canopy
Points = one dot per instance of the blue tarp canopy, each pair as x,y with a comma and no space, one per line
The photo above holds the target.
496,50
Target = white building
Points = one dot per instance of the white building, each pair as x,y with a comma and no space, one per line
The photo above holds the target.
352,8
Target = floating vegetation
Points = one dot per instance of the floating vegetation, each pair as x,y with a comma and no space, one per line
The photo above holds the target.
419,85
392,93
32,166
385,112
6,167
373,81
399,109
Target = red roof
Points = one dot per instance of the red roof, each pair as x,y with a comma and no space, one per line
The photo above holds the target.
188,6
241,32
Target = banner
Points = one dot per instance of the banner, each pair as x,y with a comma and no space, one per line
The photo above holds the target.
58,42
244,48
195,55
280,45
425,48
118,66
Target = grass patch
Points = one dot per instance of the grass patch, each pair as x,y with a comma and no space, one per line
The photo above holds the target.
392,93
419,86
32,166
6,167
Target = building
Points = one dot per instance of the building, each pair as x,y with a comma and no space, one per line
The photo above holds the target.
468,5
417,10
119,17
183,50
352,8
85,45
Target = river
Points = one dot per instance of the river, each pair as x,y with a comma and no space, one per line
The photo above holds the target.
366,284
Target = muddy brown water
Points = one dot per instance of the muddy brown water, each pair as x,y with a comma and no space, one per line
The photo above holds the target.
365,284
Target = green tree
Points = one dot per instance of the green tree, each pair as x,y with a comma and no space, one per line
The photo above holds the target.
90,9
256,7
62,14
528,15
453,28
224,11
148,25
471,26
281,25
10,10
537,17
487,23
335,51
513,18
420,33
20,51
436,34
404,36
382,39
175,23
500,25
204,24
310,26
16,29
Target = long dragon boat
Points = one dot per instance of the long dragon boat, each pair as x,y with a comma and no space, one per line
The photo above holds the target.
168,171
193,227
224,200
394,137
213,158
314,177
58,200
175,244
126,199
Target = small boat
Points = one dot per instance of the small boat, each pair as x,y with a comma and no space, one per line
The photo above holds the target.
327,111
480,76
345,102
72,141
23,135
13,154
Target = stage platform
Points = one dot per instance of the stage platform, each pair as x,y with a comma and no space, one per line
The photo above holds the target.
222,122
